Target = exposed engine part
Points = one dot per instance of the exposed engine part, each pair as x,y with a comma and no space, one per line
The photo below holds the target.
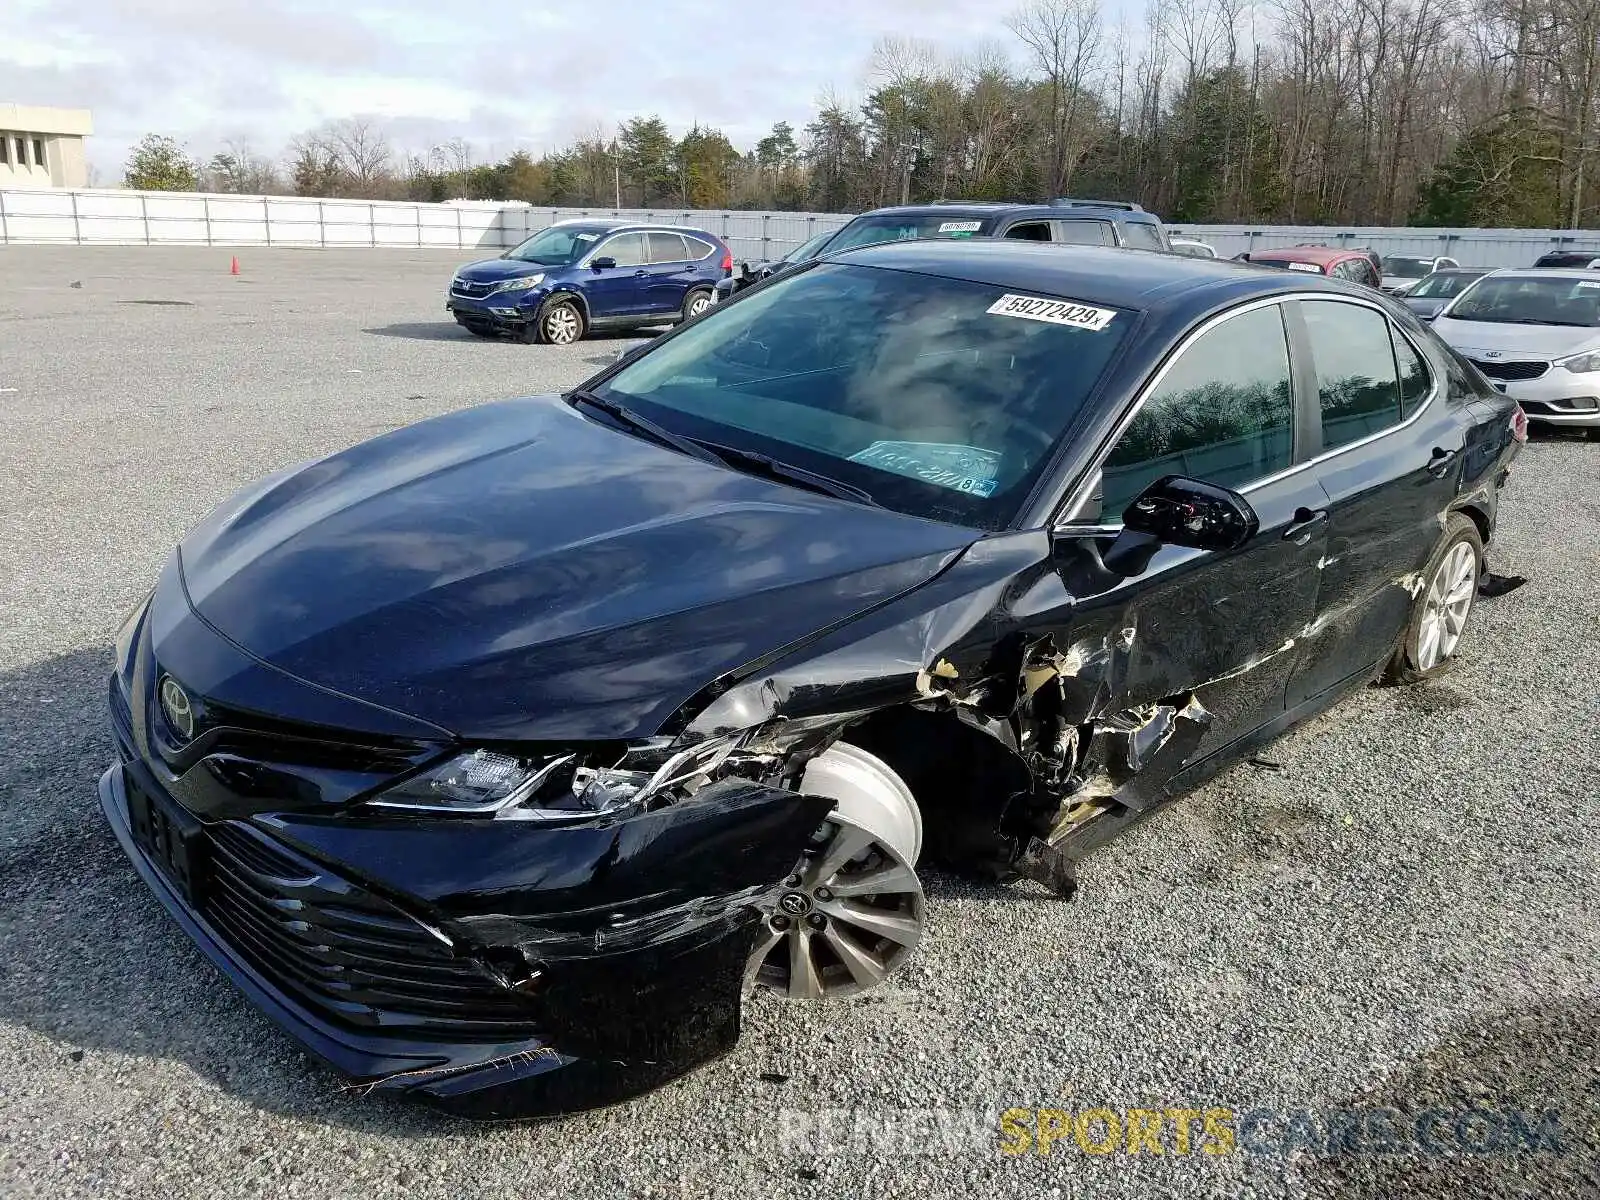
852,910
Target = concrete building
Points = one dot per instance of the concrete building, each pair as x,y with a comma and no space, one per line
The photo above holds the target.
43,147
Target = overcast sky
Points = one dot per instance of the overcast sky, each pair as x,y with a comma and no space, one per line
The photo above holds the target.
502,75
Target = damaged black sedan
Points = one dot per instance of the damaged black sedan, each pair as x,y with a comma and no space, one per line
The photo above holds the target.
499,757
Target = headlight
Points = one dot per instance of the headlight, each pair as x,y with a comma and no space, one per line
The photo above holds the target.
584,784
1581,364
519,285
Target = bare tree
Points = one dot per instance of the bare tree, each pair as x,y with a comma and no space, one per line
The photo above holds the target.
1064,37
361,153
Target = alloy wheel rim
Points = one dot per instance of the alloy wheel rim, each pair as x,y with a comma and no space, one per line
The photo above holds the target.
561,326
851,912
1446,605
698,305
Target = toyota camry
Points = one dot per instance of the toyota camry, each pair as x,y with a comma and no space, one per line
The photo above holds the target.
503,758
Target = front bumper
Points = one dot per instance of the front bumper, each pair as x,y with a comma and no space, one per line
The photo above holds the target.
506,312
496,968
1558,397
609,1028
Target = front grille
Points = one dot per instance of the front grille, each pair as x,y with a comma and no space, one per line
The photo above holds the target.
343,950
1511,370
465,287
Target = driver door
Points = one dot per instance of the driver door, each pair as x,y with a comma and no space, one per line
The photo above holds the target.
1219,624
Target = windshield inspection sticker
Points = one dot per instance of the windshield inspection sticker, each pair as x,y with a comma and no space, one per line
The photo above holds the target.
961,468
960,226
1585,283
1056,312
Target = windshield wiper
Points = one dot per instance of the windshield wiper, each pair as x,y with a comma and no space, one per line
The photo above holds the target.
644,425
755,462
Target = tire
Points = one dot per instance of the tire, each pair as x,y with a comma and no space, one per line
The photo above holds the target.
1443,603
560,322
696,302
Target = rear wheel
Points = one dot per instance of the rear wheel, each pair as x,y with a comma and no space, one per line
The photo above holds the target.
1446,589
696,303
560,321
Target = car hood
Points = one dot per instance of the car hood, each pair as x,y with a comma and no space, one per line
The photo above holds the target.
491,270
1536,341
518,571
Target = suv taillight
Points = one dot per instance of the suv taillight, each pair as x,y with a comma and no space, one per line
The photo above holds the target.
727,261
1519,424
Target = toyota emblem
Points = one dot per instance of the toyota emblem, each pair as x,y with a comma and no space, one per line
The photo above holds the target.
177,708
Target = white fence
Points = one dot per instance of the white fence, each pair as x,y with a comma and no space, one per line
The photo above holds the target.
121,218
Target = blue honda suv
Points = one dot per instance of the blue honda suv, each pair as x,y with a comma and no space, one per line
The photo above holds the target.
581,275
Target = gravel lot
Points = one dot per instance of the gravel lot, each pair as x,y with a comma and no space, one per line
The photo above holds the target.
1405,915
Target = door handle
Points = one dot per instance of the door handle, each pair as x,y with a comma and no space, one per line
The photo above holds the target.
1304,525
1440,461
640,274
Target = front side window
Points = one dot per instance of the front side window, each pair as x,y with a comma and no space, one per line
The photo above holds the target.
1354,360
626,248
939,397
1223,413
558,245
666,248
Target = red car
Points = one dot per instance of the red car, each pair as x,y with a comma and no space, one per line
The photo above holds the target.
1354,265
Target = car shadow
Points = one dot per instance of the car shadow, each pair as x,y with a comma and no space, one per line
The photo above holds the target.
91,960
423,331
1528,1079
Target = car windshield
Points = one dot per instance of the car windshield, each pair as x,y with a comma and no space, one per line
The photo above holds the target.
1407,267
868,230
1530,300
1440,285
937,397
1193,249
558,245
807,250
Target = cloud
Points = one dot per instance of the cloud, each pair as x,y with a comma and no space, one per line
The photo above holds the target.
499,76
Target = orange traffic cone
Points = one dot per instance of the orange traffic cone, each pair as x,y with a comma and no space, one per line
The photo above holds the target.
234,270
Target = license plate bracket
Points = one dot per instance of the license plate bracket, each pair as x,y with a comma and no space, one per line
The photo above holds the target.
171,838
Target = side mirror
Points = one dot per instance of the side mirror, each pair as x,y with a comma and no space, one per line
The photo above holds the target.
1186,512
604,263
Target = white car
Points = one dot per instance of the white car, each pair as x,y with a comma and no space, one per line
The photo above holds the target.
1536,335
1402,272
1193,248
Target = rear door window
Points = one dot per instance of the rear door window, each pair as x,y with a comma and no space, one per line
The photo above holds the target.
1357,384
1086,233
1223,413
1416,381
1030,231
666,248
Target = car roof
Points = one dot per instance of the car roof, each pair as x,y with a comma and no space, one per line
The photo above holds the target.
612,225
1131,279
1321,255
1585,274
1078,211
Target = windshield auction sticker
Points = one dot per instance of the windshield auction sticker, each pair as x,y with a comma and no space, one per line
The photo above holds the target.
1056,312
961,468
960,226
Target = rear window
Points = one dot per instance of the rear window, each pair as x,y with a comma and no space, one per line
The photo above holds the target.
1407,267
869,230
939,397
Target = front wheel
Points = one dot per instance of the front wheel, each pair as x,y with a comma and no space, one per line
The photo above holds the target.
560,322
1446,589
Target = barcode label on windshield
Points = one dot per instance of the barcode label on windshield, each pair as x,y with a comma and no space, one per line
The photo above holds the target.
1056,312
960,226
